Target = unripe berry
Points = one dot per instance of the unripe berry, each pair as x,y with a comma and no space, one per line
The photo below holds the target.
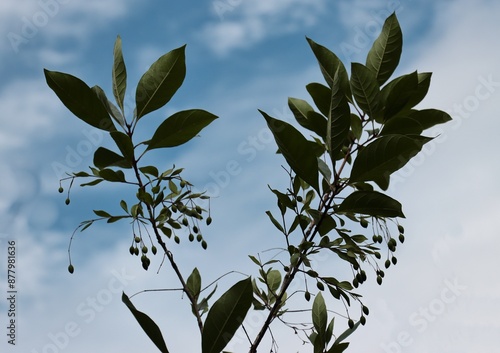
204,245
154,250
67,201
350,323
61,190
71,269
307,295
209,220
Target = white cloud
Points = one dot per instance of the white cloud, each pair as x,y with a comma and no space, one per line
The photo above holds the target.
245,23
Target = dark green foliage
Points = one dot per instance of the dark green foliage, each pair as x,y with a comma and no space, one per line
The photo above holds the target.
364,128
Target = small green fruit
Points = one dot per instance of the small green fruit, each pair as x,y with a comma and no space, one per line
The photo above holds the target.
67,201
182,183
363,222
299,199
71,269
191,237
307,295
401,238
362,319
350,323
366,311
387,263
137,239
394,260
199,237
177,239
355,283
401,228
154,250
131,250
61,190
379,280
136,251
144,249
185,222
198,209
363,275
209,220
195,229
377,255
204,245
320,286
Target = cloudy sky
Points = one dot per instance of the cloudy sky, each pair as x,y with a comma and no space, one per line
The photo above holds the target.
242,56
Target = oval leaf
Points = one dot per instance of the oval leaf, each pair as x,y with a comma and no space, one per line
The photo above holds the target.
372,203
297,150
158,85
329,64
148,325
384,156
319,315
226,316
105,158
366,90
383,57
180,127
339,119
79,99
307,117
119,74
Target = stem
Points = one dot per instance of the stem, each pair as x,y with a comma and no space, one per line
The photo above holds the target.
167,252
309,235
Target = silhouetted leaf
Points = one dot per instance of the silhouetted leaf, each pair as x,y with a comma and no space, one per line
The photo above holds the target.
372,203
158,85
321,96
80,99
339,119
105,158
385,155
119,73
148,325
366,90
307,117
298,152
179,128
384,55
226,316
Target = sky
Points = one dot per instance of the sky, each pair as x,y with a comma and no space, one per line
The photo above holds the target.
243,56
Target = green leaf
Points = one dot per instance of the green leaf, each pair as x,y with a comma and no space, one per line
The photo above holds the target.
158,85
119,73
125,145
366,90
383,57
150,169
92,183
104,158
427,118
372,203
298,152
273,280
338,348
344,335
110,107
307,117
356,126
331,65
179,128
124,206
384,156
79,99
402,125
275,222
339,119
226,316
111,175
319,316
397,95
321,96
101,213
194,283
148,325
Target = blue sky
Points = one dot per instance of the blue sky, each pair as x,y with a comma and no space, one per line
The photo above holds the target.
243,56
